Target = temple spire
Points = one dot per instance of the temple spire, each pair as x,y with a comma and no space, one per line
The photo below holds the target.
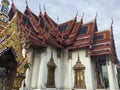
4,11
5,2
4,7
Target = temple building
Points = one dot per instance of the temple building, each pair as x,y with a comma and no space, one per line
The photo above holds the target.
36,53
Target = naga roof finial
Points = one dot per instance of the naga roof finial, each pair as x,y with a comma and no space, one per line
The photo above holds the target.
96,15
26,2
40,8
112,22
76,14
82,15
111,25
82,18
44,9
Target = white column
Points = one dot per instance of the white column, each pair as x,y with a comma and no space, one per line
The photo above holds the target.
35,70
89,75
41,71
29,71
113,85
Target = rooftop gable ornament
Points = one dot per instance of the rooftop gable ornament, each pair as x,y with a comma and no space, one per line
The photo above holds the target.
96,15
26,2
82,18
112,22
40,8
44,9
76,15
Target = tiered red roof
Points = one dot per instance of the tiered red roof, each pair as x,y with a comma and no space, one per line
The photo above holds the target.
84,36
101,43
70,35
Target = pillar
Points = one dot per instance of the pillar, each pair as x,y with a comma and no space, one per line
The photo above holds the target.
36,61
113,85
89,74
29,71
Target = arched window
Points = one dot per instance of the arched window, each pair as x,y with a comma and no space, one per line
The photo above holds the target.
79,80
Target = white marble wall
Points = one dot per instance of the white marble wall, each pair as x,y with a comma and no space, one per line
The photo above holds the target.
87,62
36,77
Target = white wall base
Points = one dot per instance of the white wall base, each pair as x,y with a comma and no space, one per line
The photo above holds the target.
60,89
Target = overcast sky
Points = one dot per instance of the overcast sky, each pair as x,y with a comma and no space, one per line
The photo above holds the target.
67,9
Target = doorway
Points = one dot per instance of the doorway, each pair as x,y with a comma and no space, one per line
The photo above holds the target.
8,66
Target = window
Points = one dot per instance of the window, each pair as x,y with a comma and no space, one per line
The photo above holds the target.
79,81
51,73
79,78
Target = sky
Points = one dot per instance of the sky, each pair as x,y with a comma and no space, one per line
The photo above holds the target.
67,9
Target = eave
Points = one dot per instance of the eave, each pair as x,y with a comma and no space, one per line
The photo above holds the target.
54,43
